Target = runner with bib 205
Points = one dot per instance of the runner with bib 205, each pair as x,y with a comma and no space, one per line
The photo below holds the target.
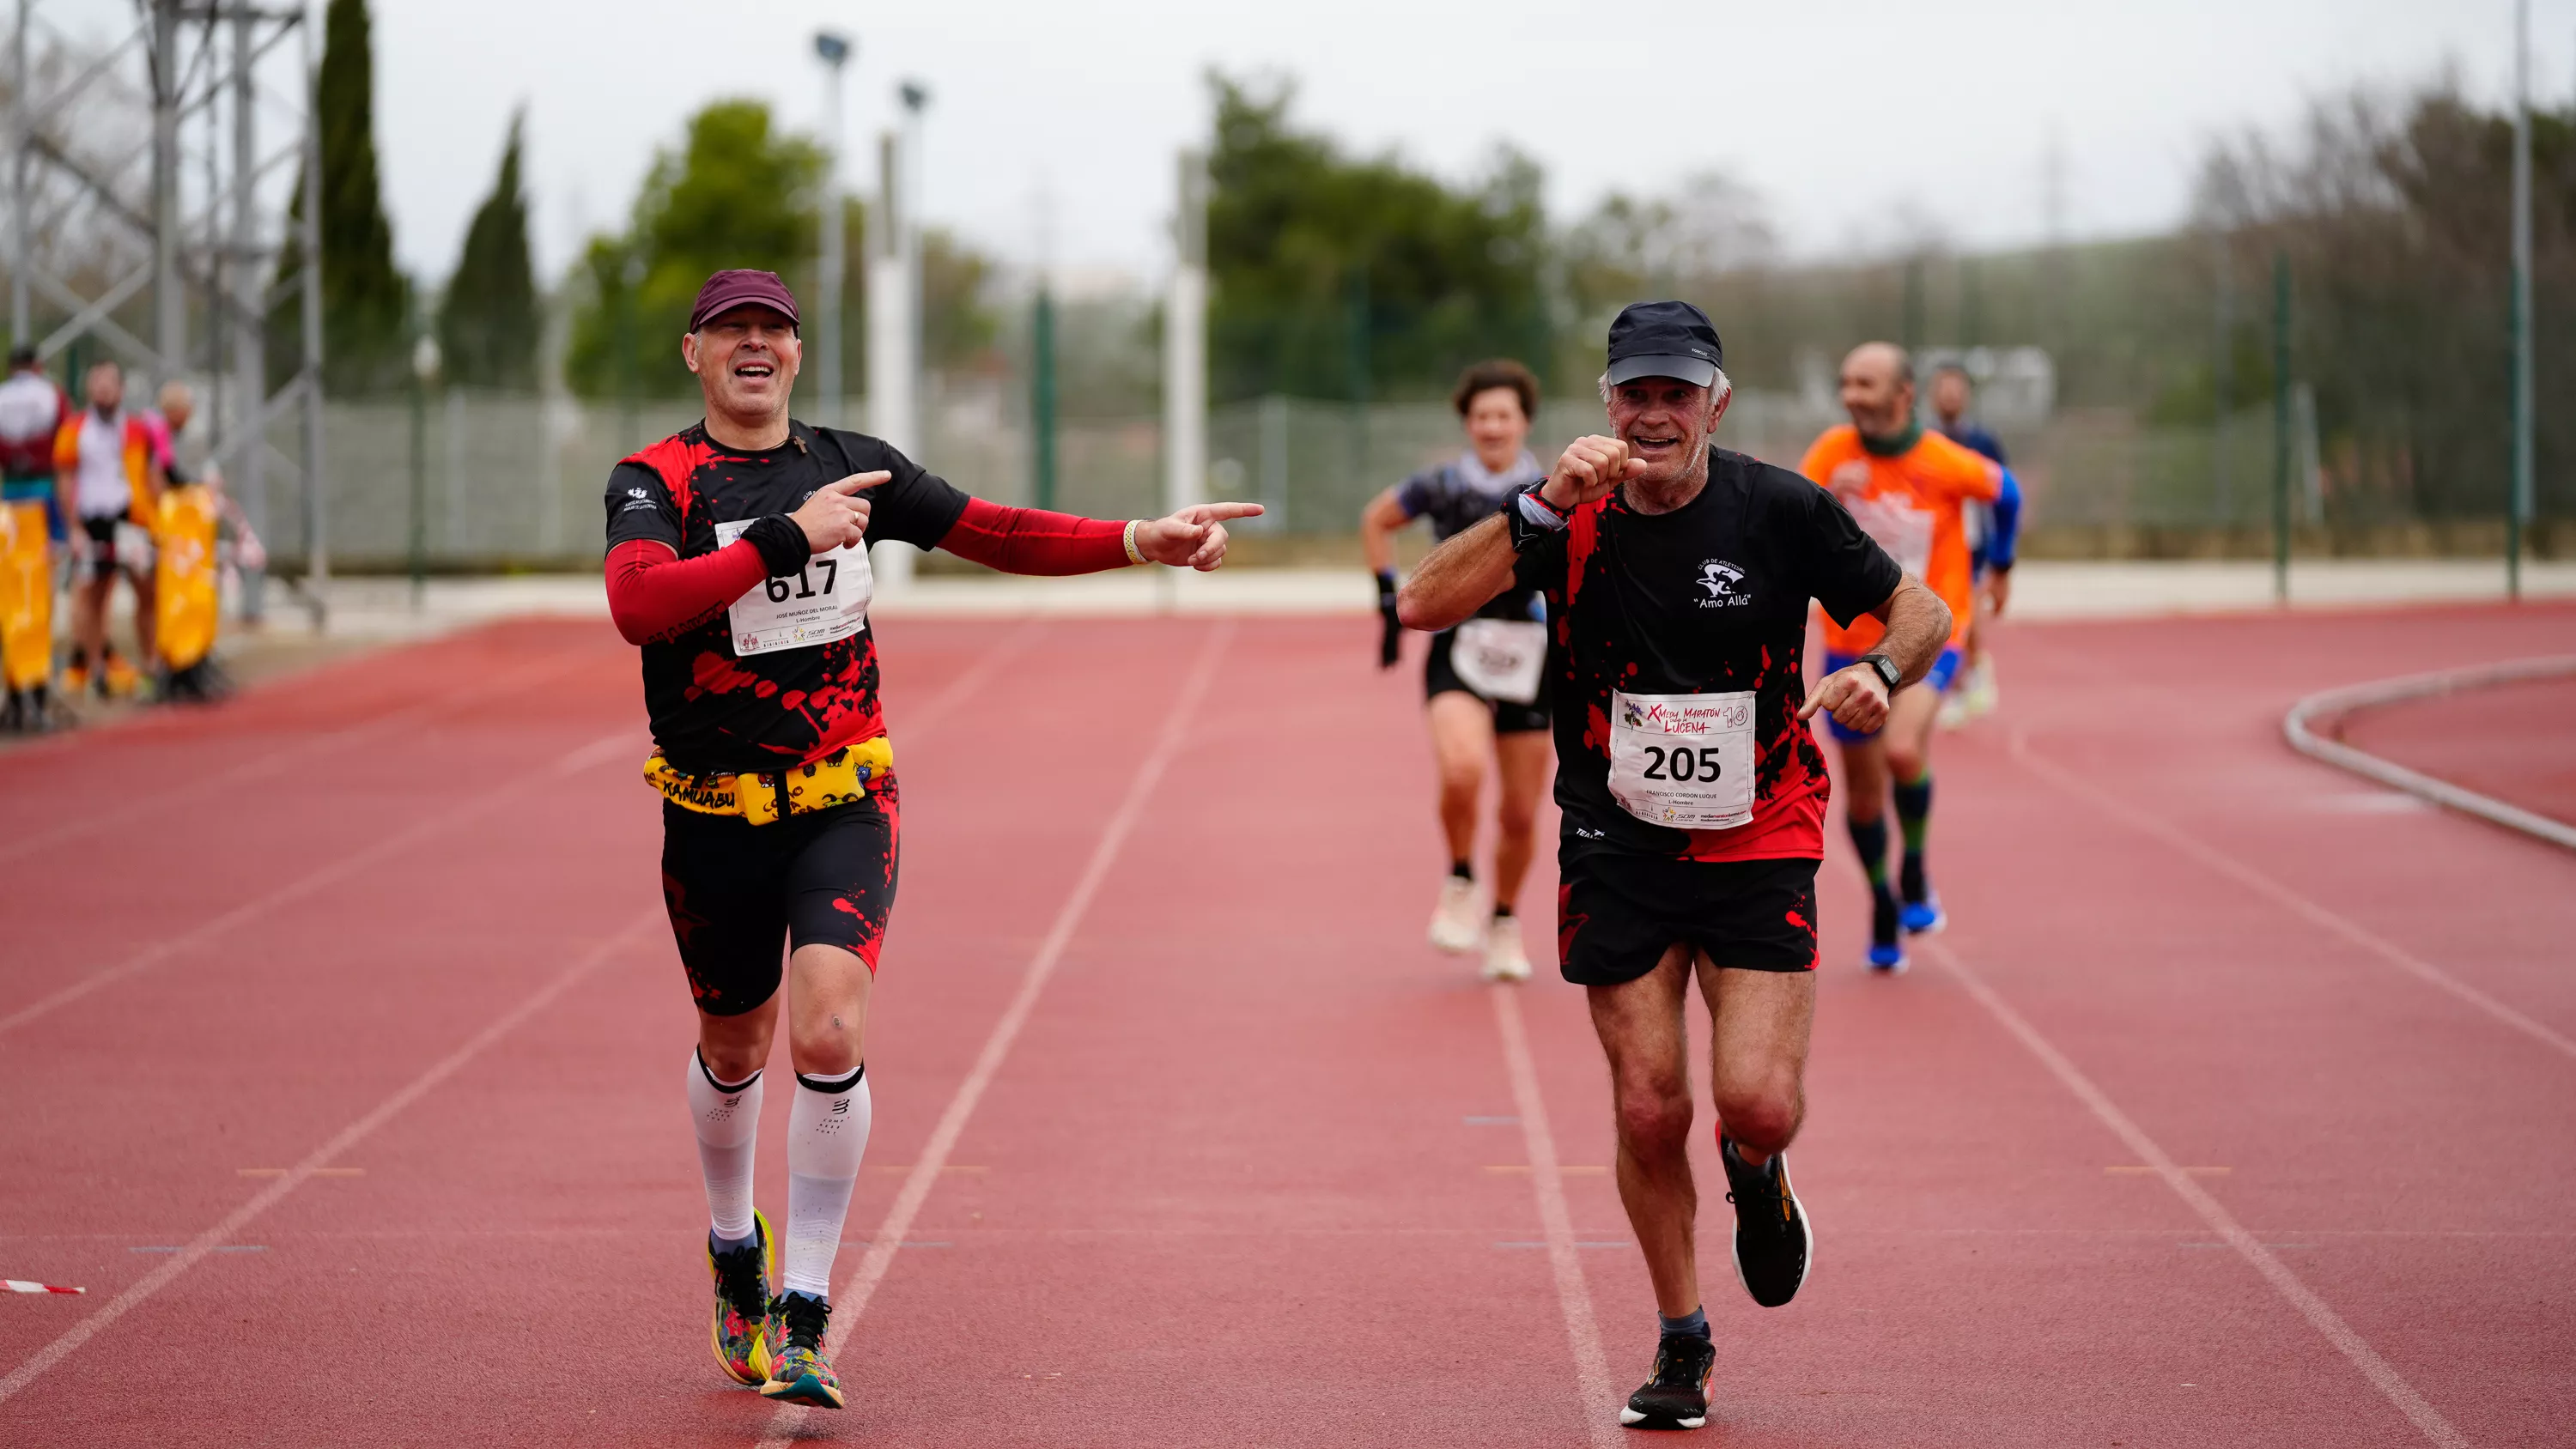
1484,680
1677,578
738,561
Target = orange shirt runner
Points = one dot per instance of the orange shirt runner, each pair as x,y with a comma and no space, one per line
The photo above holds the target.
1910,503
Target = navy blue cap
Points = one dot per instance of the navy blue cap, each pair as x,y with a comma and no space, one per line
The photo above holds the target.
1664,339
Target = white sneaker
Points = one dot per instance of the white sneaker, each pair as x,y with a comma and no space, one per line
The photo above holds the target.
1504,960
1457,923
1981,695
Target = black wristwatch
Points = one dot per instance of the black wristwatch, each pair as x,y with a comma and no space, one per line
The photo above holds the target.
1886,668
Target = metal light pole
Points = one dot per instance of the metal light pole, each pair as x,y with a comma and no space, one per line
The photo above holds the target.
2281,427
1185,343
2518,507
1042,397
894,313
424,371
834,51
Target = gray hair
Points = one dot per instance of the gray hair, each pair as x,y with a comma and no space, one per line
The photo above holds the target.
1719,388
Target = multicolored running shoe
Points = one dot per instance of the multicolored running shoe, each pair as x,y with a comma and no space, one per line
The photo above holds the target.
798,1372
742,1304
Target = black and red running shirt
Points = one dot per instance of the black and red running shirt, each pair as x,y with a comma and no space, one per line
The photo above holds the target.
715,713
1711,597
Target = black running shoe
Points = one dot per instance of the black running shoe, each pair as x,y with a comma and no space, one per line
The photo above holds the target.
1677,1396
1773,1243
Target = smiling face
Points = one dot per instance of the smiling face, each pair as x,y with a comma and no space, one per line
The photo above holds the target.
1665,422
746,361
1876,392
1496,427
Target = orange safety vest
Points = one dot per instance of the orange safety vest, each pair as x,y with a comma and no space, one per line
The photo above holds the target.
187,597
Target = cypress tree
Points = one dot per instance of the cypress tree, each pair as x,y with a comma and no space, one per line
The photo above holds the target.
487,325
365,301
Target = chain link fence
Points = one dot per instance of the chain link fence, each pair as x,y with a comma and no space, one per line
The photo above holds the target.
511,482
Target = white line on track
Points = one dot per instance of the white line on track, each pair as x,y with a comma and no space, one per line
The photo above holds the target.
2284,1282
2281,895
580,759
158,801
1564,1256
213,1238
850,1301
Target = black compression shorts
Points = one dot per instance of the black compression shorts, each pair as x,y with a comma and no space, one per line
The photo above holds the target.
733,889
1440,676
1617,914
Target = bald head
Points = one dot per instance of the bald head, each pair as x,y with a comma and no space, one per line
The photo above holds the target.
178,404
1878,388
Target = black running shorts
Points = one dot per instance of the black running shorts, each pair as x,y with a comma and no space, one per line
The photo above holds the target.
1439,676
1616,914
733,889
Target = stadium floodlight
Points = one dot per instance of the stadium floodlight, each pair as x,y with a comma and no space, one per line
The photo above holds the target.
833,47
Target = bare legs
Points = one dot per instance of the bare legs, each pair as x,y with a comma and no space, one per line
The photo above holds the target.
1759,1023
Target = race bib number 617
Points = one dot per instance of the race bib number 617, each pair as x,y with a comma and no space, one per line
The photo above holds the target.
824,601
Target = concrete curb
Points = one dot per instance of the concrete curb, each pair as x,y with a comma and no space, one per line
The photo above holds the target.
2332,703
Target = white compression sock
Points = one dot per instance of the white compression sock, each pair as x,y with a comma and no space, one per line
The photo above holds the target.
728,1123
827,1134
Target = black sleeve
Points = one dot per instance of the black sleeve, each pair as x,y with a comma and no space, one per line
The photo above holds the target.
1846,570
916,506
640,507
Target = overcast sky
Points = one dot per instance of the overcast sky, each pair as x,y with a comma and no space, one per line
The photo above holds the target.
1836,114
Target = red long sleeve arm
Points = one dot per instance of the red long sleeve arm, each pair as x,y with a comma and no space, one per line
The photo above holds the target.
1032,541
654,596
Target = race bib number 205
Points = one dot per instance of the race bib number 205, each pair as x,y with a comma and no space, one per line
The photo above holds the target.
825,601
1683,760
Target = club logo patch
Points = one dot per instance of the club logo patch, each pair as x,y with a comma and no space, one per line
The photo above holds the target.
1720,579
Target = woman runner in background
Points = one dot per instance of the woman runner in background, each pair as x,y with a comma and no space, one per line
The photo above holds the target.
1483,679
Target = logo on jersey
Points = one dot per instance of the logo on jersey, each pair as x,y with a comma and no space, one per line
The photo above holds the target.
637,493
1720,578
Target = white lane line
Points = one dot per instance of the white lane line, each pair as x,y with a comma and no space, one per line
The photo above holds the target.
2281,895
583,758
2329,705
850,1300
2311,1307
1564,1257
214,1238
157,802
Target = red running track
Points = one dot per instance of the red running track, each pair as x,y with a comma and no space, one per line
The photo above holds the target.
342,1046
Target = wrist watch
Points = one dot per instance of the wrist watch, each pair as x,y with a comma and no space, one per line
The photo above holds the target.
1886,667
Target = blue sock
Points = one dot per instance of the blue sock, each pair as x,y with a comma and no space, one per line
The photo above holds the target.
1694,1323
727,1245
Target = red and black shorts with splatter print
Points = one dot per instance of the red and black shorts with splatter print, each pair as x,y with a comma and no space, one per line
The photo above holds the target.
1617,913
734,889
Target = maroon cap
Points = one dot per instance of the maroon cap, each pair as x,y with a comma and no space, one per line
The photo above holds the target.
742,287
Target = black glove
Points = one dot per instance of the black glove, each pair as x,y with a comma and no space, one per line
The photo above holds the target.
1390,647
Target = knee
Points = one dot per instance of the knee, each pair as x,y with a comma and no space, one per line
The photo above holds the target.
1655,1119
1461,779
1905,763
731,1061
1762,1115
1517,817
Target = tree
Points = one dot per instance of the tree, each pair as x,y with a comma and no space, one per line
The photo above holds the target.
736,193
488,322
365,300
1340,278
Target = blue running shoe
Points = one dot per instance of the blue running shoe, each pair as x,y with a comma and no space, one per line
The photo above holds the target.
1885,956
1923,917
